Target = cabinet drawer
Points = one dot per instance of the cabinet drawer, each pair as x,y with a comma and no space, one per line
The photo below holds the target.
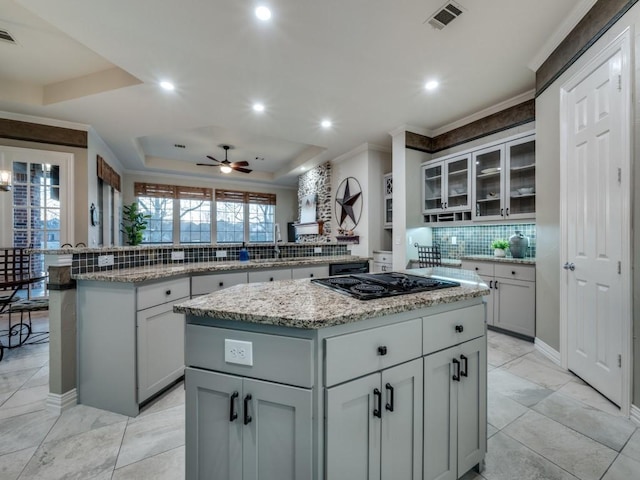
481,268
275,358
516,272
269,275
319,271
356,354
384,257
163,292
444,330
203,284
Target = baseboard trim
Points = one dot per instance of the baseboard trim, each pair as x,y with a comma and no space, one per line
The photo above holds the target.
549,352
57,404
635,414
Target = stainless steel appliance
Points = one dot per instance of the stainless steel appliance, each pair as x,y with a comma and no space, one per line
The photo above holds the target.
368,286
346,268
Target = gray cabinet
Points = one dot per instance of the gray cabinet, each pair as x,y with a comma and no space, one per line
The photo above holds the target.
455,410
374,425
318,271
269,275
244,429
511,305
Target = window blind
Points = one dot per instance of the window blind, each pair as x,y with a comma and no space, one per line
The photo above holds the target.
108,174
236,196
158,190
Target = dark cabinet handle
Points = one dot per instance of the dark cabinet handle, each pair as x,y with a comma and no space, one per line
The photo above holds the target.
221,284
377,412
232,406
490,283
513,273
477,269
496,285
502,212
382,350
459,328
271,279
389,405
445,205
456,376
168,292
311,275
247,417
507,211
465,365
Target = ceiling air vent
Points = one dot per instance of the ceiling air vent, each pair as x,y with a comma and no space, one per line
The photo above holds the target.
445,15
6,36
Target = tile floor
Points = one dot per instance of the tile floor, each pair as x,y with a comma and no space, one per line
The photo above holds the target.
544,423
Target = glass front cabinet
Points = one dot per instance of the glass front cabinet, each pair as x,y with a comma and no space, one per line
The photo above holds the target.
504,181
387,185
446,189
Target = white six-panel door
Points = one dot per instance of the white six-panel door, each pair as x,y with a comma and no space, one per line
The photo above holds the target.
593,231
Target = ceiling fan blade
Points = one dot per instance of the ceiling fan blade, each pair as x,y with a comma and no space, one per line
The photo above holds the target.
206,165
240,164
243,170
211,158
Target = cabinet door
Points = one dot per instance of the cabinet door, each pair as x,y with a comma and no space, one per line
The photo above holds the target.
457,184
160,353
213,436
432,188
440,416
203,284
310,272
490,299
353,430
472,404
516,306
488,185
387,187
277,441
402,422
521,178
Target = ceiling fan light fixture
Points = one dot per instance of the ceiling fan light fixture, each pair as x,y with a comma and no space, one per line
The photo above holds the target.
225,168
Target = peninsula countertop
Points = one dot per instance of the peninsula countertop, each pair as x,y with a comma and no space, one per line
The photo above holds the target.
151,272
492,258
304,304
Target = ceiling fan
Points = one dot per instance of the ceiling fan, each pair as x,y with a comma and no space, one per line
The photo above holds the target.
226,166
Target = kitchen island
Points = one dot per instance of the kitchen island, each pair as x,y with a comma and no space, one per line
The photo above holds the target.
296,381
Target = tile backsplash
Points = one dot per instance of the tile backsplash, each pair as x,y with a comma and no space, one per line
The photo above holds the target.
476,239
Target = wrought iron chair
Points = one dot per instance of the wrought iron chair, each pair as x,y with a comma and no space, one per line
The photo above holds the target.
429,256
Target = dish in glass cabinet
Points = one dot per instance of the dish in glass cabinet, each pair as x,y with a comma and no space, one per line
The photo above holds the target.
490,170
492,195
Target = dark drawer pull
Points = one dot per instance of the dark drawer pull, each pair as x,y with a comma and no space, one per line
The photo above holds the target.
247,417
456,376
221,284
168,292
377,412
496,285
382,350
465,365
311,275
271,279
389,405
232,406
513,273
459,328
490,283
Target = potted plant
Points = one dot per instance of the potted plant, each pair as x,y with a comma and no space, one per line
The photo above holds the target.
499,246
134,222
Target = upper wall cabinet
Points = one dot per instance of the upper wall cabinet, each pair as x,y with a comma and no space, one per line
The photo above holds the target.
504,181
495,182
387,187
446,189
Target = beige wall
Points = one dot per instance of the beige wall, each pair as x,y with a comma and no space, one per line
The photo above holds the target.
548,261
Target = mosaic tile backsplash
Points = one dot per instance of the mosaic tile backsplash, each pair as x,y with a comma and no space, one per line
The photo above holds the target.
476,239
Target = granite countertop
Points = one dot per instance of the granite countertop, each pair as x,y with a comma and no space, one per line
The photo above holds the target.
141,274
446,262
491,258
304,304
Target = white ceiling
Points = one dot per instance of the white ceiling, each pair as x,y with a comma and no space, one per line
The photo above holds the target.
361,63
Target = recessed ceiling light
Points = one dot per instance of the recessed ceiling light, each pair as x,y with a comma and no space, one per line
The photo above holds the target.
326,123
167,85
431,85
258,107
263,13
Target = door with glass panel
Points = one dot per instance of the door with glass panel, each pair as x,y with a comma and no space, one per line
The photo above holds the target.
488,166
456,184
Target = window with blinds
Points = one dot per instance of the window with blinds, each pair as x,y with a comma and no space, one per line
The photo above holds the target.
244,216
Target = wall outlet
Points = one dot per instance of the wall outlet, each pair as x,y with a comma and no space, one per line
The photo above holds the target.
105,260
238,351
177,255
454,240
317,249
221,253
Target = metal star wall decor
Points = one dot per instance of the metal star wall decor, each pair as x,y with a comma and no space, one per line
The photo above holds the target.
349,199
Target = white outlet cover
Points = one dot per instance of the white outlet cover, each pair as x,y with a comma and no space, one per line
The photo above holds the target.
238,352
105,260
317,249
177,255
221,253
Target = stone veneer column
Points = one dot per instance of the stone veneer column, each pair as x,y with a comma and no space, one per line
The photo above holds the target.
62,339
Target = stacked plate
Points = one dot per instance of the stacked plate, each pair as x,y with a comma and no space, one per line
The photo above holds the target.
490,170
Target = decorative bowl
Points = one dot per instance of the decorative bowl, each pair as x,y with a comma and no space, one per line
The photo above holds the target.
525,190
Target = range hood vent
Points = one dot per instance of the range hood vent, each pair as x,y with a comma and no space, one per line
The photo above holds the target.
6,36
445,15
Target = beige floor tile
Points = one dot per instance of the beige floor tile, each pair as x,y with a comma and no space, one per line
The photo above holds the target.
538,372
164,466
24,431
624,468
25,400
502,410
516,388
172,398
578,390
632,448
81,419
12,464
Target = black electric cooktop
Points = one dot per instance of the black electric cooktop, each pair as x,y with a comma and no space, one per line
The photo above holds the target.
367,286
